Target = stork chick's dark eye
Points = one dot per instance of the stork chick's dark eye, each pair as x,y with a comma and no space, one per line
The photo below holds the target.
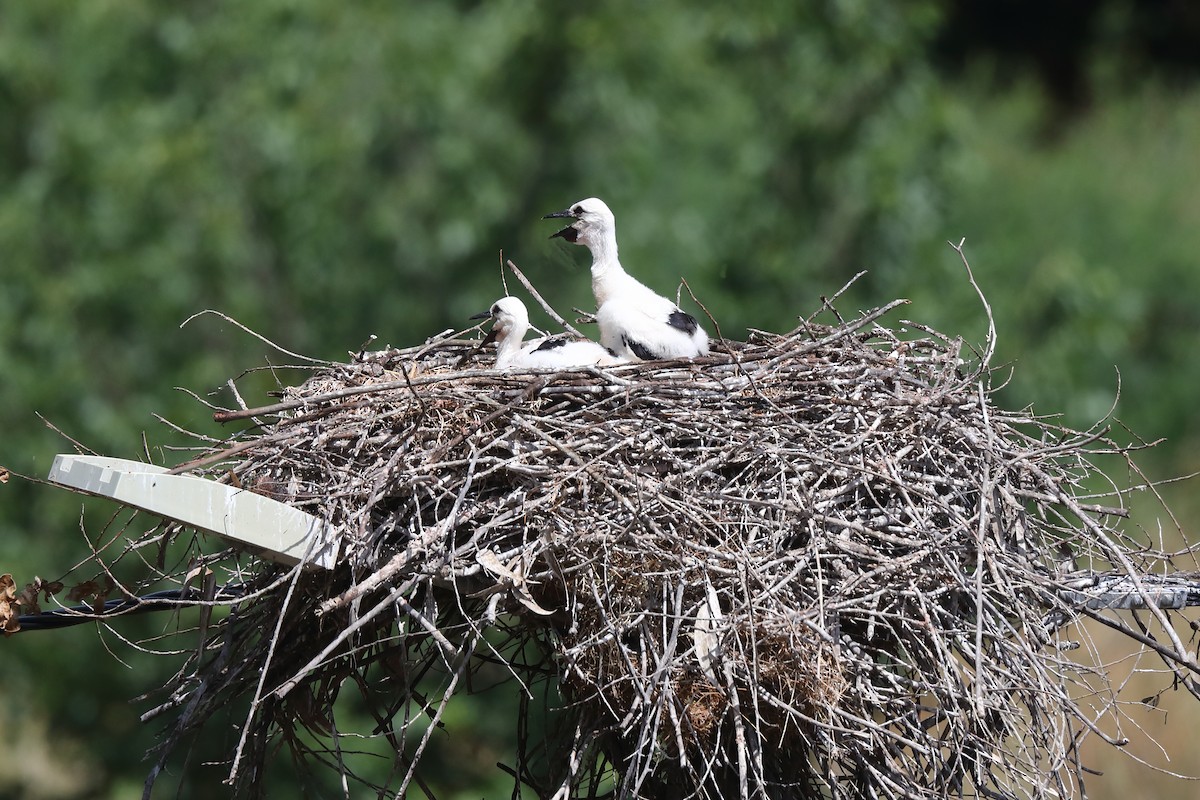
577,210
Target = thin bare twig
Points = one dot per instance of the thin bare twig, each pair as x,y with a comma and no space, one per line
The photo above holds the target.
554,315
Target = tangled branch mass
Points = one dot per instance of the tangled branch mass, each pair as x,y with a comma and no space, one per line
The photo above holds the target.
817,564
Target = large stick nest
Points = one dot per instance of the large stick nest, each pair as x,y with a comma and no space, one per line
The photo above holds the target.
821,563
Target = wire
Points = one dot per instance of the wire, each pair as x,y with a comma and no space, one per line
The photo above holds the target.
165,600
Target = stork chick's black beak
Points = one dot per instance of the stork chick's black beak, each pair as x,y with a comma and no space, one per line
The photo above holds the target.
569,233
491,335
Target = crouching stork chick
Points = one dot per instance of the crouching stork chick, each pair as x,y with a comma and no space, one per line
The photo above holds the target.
511,321
635,322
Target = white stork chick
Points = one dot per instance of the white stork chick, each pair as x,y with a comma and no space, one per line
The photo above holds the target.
511,321
635,322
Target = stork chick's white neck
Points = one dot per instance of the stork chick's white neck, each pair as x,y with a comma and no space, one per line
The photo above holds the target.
606,267
508,344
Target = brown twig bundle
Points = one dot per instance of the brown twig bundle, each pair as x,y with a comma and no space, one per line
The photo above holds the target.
815,564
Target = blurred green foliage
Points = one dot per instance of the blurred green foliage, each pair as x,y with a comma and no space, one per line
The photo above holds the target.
324,172
1088,250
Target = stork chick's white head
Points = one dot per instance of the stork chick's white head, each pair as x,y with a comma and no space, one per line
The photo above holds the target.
511,321
593,225
635,322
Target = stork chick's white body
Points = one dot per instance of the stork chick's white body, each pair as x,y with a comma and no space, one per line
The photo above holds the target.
635,321
511,321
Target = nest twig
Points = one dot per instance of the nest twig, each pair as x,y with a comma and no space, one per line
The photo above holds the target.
820,563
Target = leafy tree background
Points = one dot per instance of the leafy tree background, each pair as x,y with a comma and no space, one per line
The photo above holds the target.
323,173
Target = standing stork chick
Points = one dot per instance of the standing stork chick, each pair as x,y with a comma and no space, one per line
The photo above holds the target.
635,321
511,321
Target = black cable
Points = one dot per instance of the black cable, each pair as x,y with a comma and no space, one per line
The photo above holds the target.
155,601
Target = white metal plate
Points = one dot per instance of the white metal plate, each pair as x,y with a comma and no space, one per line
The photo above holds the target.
275,530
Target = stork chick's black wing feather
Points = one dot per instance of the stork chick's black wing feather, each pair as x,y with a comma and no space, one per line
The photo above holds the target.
553,343
683,321
640,350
